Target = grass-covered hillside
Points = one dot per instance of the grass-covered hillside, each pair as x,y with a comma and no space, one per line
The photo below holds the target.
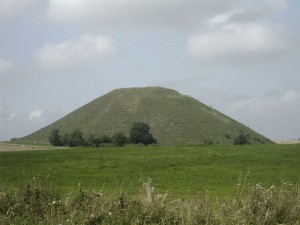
174,119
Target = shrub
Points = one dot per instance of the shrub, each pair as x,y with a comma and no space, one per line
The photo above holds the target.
140,133
54,138
119,139
93,141
76,139
241,140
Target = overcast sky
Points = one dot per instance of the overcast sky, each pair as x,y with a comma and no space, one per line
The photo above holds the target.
239,56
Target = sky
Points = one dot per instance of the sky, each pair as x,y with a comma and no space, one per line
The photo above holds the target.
239,56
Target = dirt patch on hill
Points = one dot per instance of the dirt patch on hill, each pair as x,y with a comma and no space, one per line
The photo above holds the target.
15,147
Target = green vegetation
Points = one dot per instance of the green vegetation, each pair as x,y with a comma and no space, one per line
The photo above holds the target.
242,184
54,138
241,140
178,170
175,119
119,139
140,133
39,204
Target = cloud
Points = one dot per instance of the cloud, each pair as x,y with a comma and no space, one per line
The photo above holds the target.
236,43
240,36
174,13
265,105
36,114
86,49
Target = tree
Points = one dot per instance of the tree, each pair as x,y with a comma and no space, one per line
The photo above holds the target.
140,133
105,139
119,139
54,138
241,140
93,141
65,139
76,139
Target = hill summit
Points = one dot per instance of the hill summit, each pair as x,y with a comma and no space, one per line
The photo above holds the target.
174,119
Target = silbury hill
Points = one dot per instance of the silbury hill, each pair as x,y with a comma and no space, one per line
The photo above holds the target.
174,119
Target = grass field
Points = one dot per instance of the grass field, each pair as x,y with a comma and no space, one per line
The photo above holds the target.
198,185
177,170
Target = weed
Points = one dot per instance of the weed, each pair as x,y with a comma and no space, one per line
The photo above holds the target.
35,204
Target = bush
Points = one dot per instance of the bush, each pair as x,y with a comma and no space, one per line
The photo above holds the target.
119,139
93,141
76,139
54,138
241,140
140,133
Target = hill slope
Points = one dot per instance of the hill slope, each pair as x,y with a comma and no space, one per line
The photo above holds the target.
174,119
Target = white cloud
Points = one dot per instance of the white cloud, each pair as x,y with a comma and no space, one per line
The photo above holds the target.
176,13
36,114
241,35
236,43
86,49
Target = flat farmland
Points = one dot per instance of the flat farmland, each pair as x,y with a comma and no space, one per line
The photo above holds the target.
185,170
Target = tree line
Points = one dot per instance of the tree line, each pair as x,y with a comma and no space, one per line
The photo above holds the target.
139,133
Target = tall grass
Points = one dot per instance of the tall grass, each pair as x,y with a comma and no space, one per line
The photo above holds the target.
36,203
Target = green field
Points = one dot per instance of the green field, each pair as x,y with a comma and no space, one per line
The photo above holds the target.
177,170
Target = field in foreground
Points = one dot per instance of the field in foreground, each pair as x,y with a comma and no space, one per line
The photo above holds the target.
177,170
38,204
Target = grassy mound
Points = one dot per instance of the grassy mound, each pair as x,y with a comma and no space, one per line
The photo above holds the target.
175,119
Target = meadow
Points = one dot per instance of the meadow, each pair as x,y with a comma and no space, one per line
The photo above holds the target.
180,170
192,185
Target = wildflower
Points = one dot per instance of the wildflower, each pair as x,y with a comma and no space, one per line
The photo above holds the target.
257,187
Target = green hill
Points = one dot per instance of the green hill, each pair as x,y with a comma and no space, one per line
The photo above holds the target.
175,119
